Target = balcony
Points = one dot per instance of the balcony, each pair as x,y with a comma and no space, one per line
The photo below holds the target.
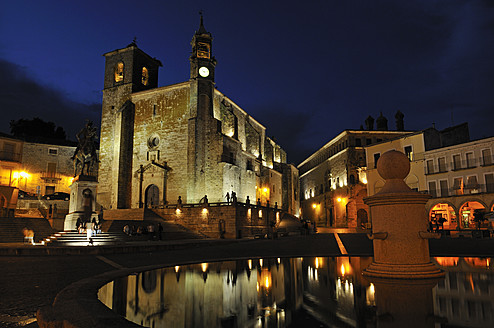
486,161
464,164
10,156
51,176
466,190
429,170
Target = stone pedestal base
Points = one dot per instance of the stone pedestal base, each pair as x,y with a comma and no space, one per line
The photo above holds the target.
82,201
403,271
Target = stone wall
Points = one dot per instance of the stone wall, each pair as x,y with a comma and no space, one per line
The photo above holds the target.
47,166
237,220
160,134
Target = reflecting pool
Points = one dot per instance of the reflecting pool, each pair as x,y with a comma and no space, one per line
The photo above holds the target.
308,292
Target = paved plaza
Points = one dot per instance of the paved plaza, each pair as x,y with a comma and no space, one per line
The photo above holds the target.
29,282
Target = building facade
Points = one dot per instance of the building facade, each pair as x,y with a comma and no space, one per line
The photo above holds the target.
35,168
413,146
456,172
460,179
184,140
333,180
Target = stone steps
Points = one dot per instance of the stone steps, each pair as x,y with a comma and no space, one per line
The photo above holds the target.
73,238
11,229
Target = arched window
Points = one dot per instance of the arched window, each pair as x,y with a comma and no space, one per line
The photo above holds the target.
145,76
119,72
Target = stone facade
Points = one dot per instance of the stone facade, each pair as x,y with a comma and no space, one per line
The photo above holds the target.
50,167
333,180
461,180
186,139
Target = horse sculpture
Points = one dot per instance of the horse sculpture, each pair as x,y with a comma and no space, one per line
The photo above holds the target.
85,153
83,159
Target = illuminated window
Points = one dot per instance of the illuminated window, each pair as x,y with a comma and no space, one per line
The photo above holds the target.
119,72
145,76
409,152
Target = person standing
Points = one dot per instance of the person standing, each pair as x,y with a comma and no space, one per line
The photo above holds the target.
227,196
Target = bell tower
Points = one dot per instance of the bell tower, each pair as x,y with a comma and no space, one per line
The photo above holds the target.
203,127
202,62
127,70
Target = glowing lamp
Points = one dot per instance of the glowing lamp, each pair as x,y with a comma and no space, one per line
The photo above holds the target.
314,205
338,199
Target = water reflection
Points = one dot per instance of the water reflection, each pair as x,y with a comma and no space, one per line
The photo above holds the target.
317,292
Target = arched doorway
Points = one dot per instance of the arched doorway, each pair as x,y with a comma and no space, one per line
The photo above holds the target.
152,196
466,213
362,219
446,211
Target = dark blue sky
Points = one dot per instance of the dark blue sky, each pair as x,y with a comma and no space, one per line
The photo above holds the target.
305,69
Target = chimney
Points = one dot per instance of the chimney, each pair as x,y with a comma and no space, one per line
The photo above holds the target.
400,125
369,123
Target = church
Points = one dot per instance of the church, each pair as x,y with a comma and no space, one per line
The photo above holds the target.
184,140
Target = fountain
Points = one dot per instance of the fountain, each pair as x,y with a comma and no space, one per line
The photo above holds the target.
399,221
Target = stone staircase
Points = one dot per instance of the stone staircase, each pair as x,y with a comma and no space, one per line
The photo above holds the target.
11,229
73,238
112,233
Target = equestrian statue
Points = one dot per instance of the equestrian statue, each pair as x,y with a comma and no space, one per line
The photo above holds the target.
85,156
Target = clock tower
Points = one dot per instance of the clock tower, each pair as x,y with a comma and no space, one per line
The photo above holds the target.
202,62
203,127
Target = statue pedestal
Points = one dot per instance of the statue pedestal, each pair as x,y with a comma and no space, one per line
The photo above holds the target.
82,204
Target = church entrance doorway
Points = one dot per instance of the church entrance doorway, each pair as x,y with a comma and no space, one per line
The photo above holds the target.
152,196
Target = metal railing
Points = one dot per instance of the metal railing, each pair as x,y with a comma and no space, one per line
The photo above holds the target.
466,190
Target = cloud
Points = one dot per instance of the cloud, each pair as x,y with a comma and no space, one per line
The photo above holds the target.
23,97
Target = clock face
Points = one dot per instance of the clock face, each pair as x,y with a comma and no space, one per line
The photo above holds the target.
203,71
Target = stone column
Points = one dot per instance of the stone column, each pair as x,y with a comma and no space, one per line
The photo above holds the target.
399,225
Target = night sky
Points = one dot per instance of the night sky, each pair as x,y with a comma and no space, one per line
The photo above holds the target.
306,70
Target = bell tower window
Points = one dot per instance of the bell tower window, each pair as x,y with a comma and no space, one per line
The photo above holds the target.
119,72
145,76
203,50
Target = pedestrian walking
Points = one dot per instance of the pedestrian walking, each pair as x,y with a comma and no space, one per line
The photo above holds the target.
28,236
247,201
227,196
50,211
234,197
